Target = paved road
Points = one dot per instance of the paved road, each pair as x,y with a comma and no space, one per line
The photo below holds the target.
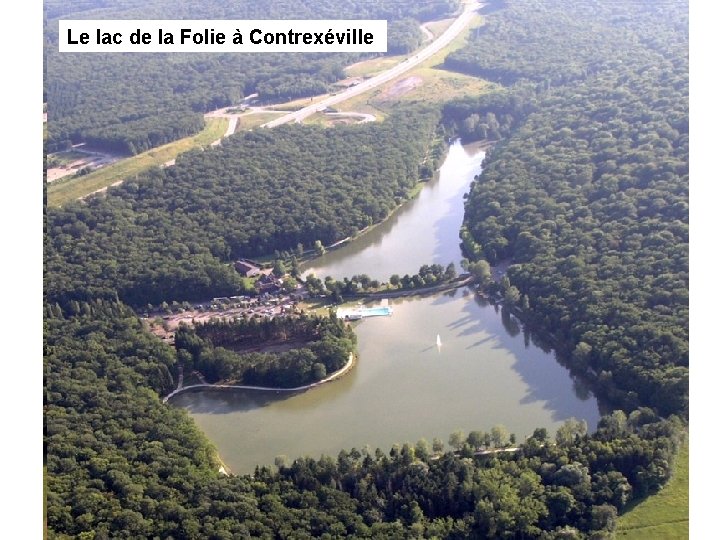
442,41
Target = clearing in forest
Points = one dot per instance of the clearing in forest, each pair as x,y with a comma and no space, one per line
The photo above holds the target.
665,515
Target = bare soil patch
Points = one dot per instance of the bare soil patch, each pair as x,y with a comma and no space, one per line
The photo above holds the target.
403,86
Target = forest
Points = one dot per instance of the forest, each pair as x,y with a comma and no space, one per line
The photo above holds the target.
589,199
92,99
168,235
585,194
221,350
121,463
428,275
550,43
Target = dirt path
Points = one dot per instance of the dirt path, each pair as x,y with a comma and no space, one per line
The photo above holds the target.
230,129
234,118
428,34
339,373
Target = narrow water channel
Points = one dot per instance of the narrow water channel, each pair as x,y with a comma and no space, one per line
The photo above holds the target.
487,371
423,231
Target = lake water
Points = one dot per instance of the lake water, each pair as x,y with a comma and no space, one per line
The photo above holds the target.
487,371
423,231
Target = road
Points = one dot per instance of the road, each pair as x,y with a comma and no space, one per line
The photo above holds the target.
442,41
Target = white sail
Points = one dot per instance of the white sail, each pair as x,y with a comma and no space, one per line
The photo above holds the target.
438,342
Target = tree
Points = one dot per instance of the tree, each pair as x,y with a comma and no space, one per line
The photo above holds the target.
457,439
475,439
319,248
604,517
450,272
571,429
540,434
279,268
319,371
613,425
499,435
289,284
581,355
437,445
294,267
481,272
422,450
511,296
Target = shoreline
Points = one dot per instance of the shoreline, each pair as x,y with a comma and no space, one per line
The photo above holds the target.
400,293
339,373
475,146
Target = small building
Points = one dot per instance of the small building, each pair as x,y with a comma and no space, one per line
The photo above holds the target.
268,284
247,268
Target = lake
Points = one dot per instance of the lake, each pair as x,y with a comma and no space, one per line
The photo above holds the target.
487,371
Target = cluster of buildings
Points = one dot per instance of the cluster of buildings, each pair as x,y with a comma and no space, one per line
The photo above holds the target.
266,281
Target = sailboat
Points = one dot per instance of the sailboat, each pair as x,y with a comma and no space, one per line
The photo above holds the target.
438,342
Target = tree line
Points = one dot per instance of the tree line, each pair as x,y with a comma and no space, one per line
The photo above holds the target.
586,195
427,276
119,462
129,103
322,346
170,234
588,199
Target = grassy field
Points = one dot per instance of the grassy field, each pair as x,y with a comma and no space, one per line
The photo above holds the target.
296,104
250,121
438,27
371,67
437,84
665,515
316,306
72,188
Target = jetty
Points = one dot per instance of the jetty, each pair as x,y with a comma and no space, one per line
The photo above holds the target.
355,314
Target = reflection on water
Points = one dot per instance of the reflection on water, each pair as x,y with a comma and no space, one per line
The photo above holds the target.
225,400
423,231
489,369
403,388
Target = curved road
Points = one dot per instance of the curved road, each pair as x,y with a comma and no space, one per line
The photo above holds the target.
442,41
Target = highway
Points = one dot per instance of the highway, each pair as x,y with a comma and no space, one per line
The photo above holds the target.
441,42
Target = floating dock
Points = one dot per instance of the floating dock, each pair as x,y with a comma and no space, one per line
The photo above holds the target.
355,314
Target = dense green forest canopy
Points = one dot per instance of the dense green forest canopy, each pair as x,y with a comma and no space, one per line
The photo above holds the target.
559,41
586,195
128,103
219,350
121,463
589,199
168,234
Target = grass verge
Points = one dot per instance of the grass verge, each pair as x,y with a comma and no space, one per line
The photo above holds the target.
665,515
437,84
247,122
64,191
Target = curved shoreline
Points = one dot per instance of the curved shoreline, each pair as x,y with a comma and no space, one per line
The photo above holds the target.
339,373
